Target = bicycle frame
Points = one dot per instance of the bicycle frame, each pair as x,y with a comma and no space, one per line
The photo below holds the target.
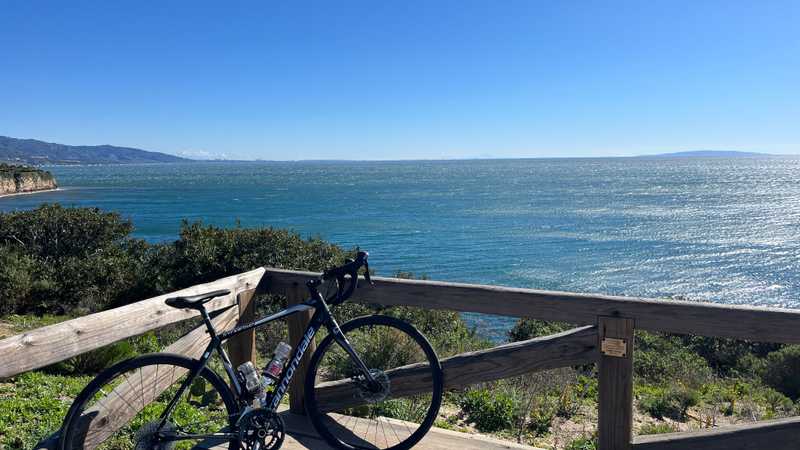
322,316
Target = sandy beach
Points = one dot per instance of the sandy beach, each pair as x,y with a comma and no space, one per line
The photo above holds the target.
30,192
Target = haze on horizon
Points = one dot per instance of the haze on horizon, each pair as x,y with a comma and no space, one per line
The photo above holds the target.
406,80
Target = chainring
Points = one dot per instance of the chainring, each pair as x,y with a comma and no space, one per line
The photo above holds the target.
261,429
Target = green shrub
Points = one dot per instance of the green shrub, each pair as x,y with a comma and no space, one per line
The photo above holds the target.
661,358
745,397
526,329
205,252
671,401
583,443
540,420
657,428
490,411
782,371
586,388
729,357
52,232
448,423
93,282
568,402
67,258
16,280
408,409
80,260
777,404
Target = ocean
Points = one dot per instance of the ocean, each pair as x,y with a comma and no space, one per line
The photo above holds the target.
720,229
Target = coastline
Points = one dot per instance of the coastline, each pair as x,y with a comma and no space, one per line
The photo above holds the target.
30,192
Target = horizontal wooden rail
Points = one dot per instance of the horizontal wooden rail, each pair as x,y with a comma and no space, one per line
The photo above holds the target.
570,348
781,434
682,317
51,344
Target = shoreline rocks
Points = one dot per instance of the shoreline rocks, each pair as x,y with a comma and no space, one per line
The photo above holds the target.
21,179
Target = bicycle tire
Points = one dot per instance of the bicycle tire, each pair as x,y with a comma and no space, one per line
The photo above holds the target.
72,423
317,415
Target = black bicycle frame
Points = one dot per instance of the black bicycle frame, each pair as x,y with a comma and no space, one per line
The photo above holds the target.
322,316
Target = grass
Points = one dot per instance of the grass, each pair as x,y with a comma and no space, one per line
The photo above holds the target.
32,406
657,428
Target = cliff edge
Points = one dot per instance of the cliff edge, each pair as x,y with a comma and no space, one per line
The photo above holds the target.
16,179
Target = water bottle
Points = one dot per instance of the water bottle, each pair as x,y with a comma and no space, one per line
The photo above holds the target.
250,377
273,370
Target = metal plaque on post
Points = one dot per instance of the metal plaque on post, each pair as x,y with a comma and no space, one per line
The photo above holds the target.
614,347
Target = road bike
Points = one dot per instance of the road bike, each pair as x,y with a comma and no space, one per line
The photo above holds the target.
374,382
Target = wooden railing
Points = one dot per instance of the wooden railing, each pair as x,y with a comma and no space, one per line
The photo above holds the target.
604,336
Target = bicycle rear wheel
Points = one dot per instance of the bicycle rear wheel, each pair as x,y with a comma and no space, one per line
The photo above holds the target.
348,413
120,408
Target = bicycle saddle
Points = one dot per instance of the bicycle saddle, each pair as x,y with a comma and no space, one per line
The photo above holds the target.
195,301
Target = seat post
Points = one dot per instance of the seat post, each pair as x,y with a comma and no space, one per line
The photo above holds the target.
209,325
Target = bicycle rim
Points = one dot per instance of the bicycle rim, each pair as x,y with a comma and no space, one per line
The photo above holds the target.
349,413
121,407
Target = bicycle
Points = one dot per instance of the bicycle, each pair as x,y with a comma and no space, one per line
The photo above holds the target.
349,389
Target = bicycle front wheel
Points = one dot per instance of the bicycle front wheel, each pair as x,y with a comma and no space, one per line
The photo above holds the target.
121,407
393,413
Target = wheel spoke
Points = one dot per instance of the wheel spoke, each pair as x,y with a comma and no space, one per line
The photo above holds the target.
105,417
141,387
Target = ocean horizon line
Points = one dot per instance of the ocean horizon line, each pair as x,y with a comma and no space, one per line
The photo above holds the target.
676,156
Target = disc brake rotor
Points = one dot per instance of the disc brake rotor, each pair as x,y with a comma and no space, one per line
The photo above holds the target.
365,393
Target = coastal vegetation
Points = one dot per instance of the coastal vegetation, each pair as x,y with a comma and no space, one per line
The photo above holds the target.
15,179
58,262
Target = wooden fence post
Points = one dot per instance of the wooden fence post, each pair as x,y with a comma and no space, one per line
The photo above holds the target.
298,323
615,414
242,347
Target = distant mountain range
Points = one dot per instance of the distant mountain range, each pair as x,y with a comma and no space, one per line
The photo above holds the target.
31,151
709,154
35,152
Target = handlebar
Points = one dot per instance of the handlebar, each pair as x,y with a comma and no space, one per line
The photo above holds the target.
345,289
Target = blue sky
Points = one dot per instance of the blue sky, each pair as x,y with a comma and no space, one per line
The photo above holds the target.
404,79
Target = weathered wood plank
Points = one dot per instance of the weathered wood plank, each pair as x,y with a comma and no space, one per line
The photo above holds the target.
54,343
707,319
242,347
781,434
570,348
131,396
297,327
615,386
